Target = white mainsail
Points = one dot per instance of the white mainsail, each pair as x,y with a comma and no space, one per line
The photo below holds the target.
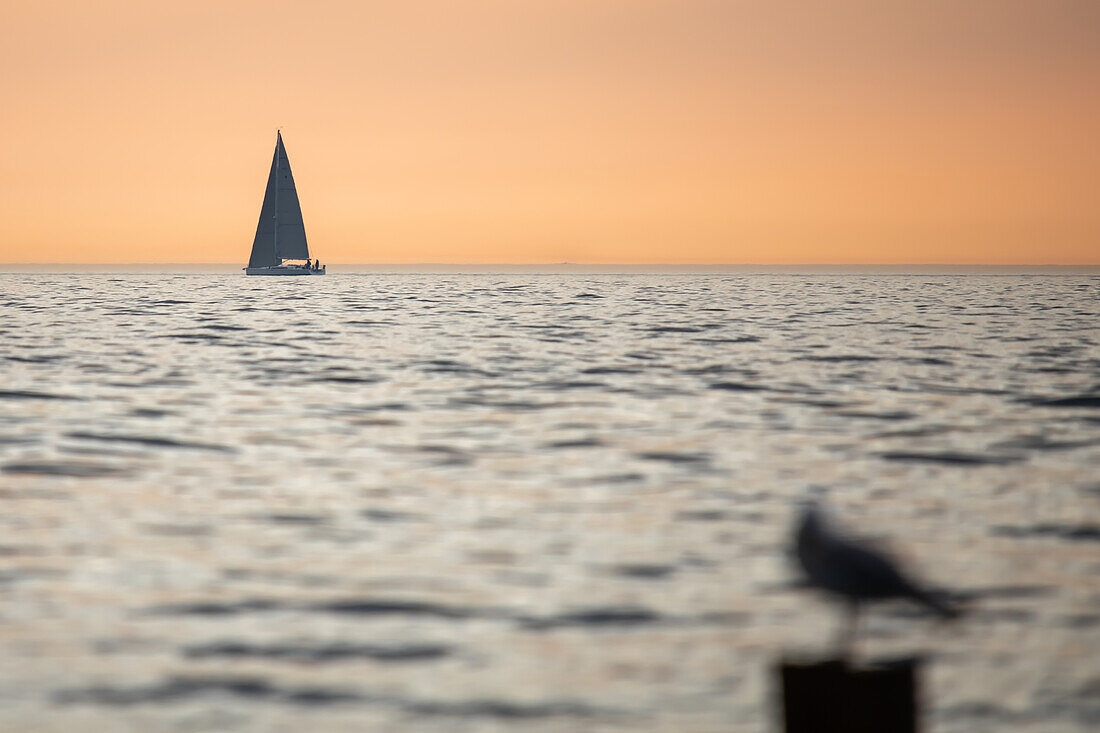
280,233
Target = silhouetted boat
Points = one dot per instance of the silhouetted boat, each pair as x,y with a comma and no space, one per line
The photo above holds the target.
280,246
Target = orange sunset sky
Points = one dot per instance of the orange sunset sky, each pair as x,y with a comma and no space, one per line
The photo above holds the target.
594,131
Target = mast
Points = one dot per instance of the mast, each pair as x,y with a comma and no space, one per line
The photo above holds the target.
275,241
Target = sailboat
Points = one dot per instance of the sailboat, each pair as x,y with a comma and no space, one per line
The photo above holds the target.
280,246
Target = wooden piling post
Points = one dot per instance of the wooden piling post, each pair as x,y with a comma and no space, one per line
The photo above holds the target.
832,696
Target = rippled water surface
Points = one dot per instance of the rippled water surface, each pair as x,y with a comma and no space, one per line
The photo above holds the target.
533,502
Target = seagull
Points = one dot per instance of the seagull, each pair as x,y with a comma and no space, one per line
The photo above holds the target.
854,571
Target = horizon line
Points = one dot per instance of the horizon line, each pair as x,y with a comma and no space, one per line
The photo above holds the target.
586,266
601,264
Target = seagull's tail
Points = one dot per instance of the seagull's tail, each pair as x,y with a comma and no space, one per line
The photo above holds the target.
935,601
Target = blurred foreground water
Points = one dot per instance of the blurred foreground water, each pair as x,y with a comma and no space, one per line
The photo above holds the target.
536,502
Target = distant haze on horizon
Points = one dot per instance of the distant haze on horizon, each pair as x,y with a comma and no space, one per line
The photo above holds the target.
595,131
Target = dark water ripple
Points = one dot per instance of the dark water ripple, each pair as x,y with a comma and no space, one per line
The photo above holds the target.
25,394
153,442
952,459
72,469
1071,532
177,689
555,502
183,688
318,653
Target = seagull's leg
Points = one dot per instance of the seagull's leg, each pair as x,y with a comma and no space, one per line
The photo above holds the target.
854,619
848,629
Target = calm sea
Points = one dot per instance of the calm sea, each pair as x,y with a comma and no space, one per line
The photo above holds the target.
534,502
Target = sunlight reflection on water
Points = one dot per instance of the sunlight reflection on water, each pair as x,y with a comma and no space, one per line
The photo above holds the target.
555,502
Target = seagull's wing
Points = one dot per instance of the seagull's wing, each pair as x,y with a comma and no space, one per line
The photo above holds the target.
871,574
862,572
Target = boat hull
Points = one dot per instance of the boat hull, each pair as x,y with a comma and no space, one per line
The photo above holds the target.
284,271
